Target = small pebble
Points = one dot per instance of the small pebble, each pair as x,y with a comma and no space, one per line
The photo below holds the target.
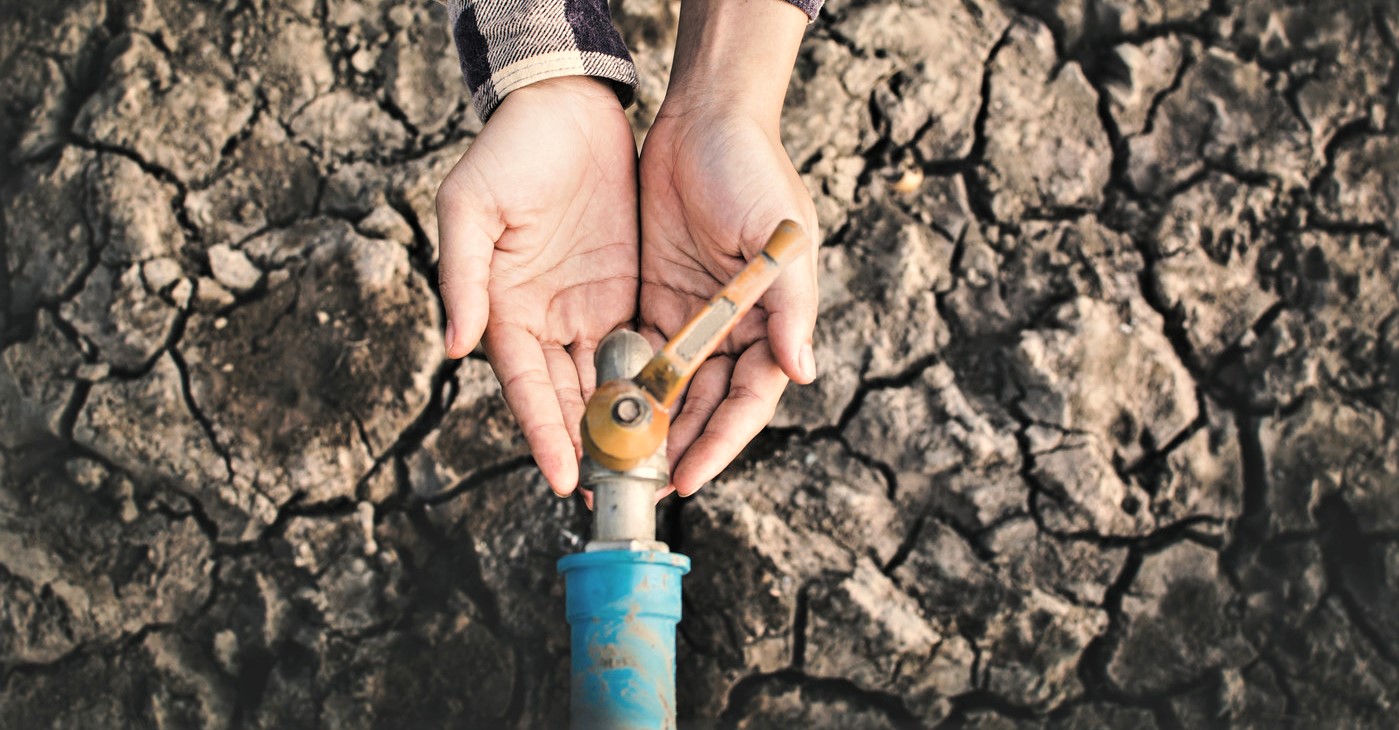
226,650
232,268
92,372
364,512
400,16
363,61
181,293
911,180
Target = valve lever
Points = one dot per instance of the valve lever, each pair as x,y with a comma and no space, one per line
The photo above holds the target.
665,376
627,419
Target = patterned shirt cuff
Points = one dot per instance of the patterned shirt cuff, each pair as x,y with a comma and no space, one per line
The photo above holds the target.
812,8
506,44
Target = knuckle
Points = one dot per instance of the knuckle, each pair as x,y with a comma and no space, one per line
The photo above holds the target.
446,276
764,406
448,197
569,397
745,393
542,433
701,406
526,379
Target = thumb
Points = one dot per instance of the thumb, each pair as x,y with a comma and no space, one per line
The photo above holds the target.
791,304
466,232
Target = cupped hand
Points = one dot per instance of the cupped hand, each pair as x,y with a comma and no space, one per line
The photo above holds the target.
538,260
714,185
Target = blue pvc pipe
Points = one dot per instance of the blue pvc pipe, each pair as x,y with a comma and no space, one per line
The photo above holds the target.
623,606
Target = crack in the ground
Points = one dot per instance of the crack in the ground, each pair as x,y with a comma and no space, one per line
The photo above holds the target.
205,423
801,618
177,201
906,545
1352,569
749,688
477,478
113,647
980,701
1187,62
978,196
126,638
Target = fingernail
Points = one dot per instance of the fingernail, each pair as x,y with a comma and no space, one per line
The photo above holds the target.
450,336
807,361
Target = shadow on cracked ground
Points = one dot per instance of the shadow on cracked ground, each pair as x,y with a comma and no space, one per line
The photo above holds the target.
1105,436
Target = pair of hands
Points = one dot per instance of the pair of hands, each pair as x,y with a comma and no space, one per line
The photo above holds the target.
541,257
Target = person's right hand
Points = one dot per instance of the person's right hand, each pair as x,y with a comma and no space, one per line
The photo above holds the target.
538,231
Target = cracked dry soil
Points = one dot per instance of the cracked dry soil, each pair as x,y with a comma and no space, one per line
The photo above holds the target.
1105,436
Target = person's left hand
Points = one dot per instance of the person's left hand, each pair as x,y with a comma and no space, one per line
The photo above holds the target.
713,188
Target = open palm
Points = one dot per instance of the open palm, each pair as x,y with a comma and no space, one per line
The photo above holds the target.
713,188
538,258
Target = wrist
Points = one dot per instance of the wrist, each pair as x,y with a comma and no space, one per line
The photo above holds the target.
587,90
734,56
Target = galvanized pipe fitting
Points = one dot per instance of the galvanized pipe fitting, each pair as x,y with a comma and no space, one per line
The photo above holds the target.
624,502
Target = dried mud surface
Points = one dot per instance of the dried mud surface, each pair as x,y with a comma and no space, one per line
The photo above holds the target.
1105,436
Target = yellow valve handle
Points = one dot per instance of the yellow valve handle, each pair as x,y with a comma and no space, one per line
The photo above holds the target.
626,421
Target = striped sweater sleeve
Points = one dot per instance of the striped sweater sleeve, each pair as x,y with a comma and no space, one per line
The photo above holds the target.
506,44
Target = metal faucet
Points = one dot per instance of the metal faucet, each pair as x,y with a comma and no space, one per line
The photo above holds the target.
623,590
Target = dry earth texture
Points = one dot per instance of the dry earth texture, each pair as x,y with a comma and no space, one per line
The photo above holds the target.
1106,435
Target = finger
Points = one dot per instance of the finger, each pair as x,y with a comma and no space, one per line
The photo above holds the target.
564,375
587,498
756,386
583,364
519,363
706,391
467,233
664,492
654,336
791,304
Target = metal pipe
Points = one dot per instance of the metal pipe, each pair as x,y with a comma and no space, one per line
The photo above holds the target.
624,502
